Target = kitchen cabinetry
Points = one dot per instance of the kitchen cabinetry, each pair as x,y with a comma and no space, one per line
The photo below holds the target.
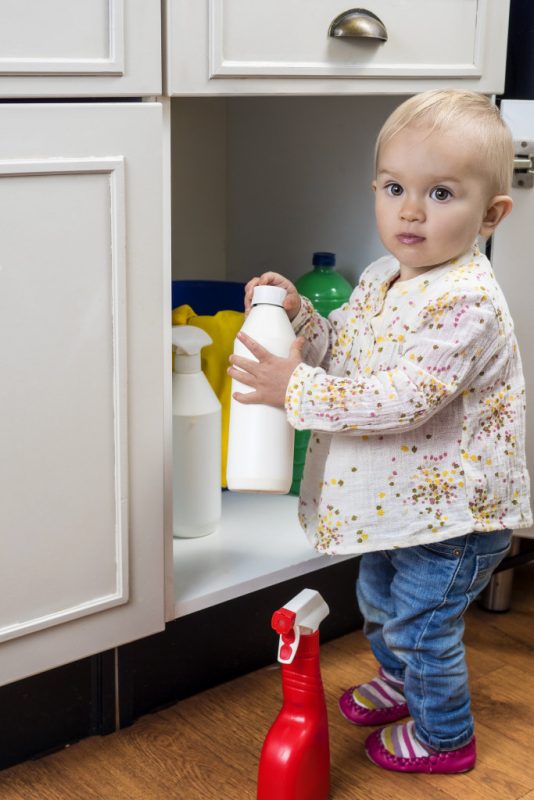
91,207
82,313
323,47
80,48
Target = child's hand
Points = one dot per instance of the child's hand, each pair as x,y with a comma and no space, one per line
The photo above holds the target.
291,301
268,376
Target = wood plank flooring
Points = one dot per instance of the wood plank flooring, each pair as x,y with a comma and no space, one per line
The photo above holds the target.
207,747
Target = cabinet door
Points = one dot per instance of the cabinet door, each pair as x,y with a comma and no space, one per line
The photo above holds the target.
77,48
82,391
511,255
294,47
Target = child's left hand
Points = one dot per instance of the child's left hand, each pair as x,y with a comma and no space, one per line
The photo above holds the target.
268,376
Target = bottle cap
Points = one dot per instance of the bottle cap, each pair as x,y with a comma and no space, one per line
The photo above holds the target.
324,259
187,342
272,295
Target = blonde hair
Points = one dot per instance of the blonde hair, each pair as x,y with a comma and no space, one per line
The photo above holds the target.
458,110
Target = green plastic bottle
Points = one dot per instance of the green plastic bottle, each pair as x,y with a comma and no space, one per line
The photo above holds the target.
327,290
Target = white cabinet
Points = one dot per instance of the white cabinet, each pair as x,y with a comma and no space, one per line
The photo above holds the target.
323,46
79,48
82,321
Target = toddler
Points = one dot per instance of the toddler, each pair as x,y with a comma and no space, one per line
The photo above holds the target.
415,396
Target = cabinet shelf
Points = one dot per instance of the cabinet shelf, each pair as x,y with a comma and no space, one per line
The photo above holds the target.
259,542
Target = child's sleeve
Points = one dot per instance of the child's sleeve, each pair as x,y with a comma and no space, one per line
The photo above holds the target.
453,340
319,332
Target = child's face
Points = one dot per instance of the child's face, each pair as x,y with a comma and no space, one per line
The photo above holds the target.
430,199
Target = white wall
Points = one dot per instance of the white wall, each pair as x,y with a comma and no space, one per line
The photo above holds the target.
260,183
299,179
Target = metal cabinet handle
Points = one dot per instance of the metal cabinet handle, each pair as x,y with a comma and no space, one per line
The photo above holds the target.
358,23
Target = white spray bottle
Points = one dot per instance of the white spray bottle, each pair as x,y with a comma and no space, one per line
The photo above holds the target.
196,429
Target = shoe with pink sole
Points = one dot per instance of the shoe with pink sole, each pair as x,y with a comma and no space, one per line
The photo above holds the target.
374,703
396,748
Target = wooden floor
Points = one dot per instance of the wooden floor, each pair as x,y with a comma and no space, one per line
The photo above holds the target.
207,747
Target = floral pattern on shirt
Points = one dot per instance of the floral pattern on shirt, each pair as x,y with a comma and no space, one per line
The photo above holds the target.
416,396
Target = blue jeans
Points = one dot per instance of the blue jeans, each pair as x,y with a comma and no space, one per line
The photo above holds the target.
413,600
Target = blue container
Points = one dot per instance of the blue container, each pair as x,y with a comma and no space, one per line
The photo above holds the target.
208,297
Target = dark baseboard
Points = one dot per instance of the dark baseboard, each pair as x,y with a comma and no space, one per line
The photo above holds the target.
222,642
58,707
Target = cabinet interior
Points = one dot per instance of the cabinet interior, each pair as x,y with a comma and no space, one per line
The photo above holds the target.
259,183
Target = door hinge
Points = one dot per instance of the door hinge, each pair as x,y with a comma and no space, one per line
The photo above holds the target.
523,165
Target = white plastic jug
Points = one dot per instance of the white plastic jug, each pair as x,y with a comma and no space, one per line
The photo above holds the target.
260,440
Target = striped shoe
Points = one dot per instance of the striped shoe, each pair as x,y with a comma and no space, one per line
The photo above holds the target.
396,748
374,703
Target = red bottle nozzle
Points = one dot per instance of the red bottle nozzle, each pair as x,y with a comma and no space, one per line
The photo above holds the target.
283,620
302,615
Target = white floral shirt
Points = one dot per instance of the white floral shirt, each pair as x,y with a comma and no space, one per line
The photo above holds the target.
415,396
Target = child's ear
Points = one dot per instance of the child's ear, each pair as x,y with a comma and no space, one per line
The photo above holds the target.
498,208
374,186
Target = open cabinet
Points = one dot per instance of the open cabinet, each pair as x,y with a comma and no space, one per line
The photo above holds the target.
272,180
259,184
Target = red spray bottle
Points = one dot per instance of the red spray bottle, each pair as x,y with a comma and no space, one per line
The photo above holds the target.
295,759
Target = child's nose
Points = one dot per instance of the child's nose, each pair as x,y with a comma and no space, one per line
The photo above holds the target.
412,211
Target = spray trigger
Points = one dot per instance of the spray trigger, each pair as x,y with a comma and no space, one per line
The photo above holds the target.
302,615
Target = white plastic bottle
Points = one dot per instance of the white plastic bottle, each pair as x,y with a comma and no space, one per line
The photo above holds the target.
260,440
196,433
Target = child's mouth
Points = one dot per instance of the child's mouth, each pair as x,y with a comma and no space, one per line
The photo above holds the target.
410,238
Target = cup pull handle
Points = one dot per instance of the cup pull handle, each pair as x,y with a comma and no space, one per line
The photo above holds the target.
358,23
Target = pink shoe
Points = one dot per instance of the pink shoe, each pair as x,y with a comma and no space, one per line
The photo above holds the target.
397,738
381,687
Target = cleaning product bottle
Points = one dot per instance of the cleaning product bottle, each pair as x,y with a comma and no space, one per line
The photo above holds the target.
325,287
327,290
295,758
196,433
260,439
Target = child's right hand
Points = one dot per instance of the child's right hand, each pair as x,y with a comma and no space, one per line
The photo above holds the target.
291,300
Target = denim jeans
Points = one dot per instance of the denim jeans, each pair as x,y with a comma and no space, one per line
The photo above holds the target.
413,600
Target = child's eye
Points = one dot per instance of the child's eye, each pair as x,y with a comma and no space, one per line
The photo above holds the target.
394,189
440,193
